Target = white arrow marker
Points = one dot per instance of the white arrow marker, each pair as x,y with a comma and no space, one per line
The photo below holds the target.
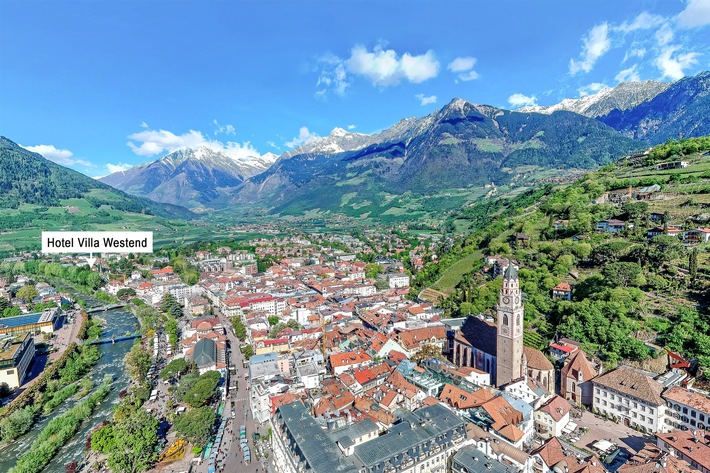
91,260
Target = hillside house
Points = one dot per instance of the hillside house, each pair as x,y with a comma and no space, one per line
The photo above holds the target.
562,291
694,237
611,226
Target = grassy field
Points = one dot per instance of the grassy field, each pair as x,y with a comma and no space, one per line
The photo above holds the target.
451,277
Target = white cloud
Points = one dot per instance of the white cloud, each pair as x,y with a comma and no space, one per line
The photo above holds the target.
595,45
634,52
59,156
696,14
384,67
628,75
152,142
304,136
426,100
464,67
272,144
664,35
226,129
520,100
157,141
643,21
590,89
351,127
461,64
332,77
672,65
120,167
144,124
467,76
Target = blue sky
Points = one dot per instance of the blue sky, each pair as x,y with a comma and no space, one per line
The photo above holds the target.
100,86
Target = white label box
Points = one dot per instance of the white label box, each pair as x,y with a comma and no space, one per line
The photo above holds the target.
97,242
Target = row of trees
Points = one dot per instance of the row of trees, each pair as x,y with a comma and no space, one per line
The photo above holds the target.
58,432
129,441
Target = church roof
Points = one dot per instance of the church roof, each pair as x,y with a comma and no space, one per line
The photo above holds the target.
511,272
480,334
536,360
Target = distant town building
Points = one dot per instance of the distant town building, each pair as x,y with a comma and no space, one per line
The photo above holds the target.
672,165
397,280
611,226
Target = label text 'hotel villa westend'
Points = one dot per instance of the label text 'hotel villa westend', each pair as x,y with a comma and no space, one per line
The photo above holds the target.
97,242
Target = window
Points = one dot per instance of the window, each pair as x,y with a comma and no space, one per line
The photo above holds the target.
692,414
702,417
685,410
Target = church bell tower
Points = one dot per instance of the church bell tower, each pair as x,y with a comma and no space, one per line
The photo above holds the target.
509,348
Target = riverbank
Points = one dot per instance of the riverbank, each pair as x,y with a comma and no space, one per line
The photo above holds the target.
110,363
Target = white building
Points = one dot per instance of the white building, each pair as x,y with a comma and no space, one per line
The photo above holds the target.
687,410
397,281
631,397
552,417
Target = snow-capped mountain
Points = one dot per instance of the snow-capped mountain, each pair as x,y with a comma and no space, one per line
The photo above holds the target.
624,96
189,177
461,145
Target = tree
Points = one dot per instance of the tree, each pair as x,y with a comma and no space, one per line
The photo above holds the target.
4,390
176,367
247,351
138,363
126,293
171,328
239,329
372,270
624,274
136,437
663,249
273,320
94,281
17,424
693,263
168,302
203,390
27,293
195,425
103,440
427,351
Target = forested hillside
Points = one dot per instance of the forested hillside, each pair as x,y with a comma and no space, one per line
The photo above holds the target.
28,178
632,293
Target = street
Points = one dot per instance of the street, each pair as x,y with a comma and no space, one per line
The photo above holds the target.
231,459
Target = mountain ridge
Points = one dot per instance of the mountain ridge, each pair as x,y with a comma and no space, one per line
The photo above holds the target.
192,177
624,96
29,178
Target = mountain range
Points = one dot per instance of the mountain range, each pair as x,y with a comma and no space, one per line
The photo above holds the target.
461,146
189,177
624,96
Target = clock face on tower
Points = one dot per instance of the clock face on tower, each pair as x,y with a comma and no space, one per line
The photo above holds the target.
506,300
517,300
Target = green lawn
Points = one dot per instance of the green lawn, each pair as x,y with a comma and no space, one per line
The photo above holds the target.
451,277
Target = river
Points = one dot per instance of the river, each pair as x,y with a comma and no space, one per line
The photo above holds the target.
118,322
